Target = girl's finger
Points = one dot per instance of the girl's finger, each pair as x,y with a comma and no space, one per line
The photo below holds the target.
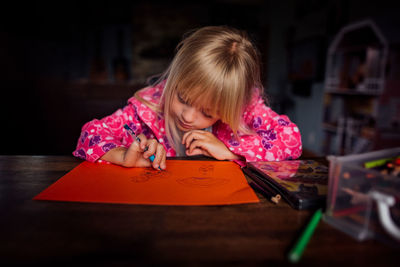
159,154
163,164
184,137
196,144
133,156
198,151
142,142
150,148
187,134
194,135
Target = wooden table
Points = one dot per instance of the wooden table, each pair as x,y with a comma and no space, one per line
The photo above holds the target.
57,233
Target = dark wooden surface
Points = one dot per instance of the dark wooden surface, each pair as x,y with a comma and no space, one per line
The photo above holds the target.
60,233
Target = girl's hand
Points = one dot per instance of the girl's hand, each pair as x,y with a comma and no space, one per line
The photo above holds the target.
200,142
136,154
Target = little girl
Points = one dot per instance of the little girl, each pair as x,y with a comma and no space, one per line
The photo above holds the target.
208,102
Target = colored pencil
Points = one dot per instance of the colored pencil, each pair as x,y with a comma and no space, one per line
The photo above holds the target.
298,249
272,196
132,132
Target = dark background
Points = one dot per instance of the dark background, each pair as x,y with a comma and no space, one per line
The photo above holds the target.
64,63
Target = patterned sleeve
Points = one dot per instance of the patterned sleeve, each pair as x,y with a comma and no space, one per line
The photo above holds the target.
99,136
275,137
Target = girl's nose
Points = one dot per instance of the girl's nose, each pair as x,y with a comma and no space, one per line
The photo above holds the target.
189,114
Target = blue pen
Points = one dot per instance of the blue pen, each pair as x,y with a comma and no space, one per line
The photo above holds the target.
129,129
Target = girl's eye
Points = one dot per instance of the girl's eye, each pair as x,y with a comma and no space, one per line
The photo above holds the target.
206,115
181,99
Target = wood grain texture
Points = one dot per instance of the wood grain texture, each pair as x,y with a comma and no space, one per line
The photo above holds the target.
59,233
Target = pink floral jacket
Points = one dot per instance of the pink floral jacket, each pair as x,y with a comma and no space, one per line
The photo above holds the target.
276,137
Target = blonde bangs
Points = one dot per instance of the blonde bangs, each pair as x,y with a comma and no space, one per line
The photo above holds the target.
219,90
215,69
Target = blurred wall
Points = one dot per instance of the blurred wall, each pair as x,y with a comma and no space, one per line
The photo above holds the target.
67,62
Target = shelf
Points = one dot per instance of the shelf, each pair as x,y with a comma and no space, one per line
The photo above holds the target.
356,48
346,91
329,127
356,98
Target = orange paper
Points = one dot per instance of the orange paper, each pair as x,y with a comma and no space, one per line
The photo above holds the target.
184,182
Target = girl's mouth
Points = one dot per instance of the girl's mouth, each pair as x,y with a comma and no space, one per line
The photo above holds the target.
184,125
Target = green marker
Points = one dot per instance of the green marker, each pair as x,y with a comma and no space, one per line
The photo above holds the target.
378,162
296,252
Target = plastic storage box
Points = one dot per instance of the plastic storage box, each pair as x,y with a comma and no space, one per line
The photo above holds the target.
364,196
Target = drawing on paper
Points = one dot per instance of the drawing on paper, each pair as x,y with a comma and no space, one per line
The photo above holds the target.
205,178
148,174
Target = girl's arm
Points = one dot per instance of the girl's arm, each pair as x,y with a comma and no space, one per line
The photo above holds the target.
274,137
100,136
106,139
137,154
200,142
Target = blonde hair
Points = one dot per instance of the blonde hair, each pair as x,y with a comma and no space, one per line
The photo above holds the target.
215,67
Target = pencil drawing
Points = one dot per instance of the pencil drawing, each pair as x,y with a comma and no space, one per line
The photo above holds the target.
204,177
149,174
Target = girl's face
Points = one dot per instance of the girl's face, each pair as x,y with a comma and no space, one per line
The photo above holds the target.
189,118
